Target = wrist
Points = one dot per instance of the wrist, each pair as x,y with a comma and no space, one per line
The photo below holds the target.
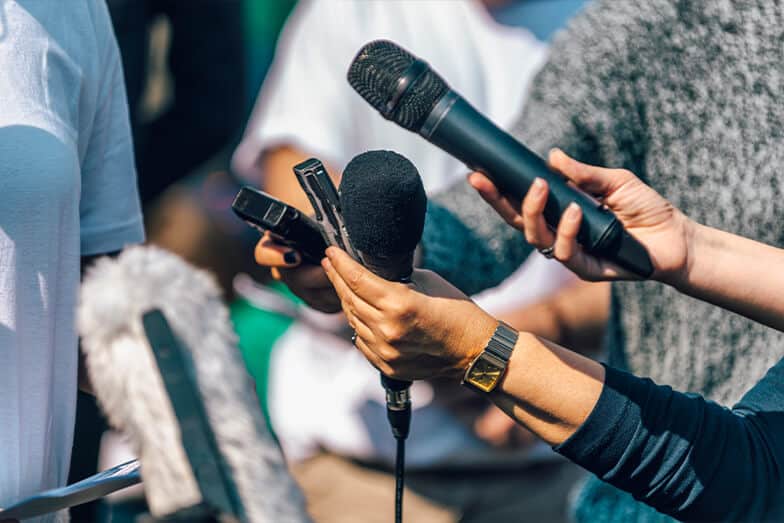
476,335
487,369
695,244
677,275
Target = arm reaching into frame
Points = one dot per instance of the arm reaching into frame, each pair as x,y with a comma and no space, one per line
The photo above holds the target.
706,263
679,453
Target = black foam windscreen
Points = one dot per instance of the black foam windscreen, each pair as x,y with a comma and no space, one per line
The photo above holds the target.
376,72
383,204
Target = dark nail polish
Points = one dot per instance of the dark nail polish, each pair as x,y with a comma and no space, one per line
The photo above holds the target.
290,257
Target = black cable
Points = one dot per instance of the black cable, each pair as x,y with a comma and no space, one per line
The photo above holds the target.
400,473
399,416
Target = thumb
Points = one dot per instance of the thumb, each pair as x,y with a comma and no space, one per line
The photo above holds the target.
598,181
272,254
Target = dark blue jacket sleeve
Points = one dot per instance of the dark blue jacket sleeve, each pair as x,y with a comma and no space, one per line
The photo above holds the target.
685,456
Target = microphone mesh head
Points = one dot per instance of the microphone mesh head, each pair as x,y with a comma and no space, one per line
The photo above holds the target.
383,203
374,74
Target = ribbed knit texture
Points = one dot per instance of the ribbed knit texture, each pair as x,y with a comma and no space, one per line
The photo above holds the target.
459,234
688,95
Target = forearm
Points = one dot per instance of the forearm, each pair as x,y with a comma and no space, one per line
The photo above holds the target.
678,453
549,389
737,274
277,178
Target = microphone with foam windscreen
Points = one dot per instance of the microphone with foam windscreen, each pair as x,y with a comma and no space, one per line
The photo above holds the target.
407,91
163,360
383,204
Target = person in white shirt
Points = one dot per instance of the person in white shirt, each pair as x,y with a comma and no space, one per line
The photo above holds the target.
306,108
68,186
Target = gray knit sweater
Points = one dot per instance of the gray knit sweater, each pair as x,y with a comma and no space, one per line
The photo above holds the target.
689,95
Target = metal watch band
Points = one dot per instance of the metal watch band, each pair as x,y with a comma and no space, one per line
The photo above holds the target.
495,356
502,342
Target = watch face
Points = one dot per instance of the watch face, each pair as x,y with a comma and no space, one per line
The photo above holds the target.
484,375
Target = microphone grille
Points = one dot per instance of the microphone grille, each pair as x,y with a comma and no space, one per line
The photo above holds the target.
374,74
383,203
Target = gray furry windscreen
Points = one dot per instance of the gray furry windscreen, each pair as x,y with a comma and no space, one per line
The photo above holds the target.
374,74
383,203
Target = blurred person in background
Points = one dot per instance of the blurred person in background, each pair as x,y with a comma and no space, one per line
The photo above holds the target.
186,65
464,456
69,184
185,79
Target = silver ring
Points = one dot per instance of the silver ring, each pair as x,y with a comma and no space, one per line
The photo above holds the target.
354,338
548,252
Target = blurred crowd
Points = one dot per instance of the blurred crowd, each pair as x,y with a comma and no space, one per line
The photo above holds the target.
226,93
193,74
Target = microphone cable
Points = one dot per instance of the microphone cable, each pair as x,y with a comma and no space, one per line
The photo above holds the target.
398,398
400,478
384,204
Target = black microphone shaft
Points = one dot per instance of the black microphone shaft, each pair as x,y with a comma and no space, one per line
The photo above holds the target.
398,399
460,130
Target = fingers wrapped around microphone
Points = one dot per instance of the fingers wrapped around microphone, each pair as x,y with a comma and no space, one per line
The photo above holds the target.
404,333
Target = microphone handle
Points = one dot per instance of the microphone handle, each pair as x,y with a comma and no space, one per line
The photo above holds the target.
463,132
398,397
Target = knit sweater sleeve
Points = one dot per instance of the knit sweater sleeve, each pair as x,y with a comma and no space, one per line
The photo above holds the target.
685,456
571,105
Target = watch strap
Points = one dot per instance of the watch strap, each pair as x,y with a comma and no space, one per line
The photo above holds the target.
502,342
495,356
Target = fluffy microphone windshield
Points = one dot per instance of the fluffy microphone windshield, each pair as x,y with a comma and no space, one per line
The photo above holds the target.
130,389
383,203
377,74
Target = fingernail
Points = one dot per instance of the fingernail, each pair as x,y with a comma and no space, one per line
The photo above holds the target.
573,211
291,257
538,186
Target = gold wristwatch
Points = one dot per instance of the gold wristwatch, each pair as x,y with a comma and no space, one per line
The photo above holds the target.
487,369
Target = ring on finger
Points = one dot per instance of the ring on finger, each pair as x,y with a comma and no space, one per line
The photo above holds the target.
548,252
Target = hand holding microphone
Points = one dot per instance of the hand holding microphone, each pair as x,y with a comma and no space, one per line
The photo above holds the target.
426,330
407,91
663,230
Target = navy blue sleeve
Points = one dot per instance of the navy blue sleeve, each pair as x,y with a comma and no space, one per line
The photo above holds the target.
685,456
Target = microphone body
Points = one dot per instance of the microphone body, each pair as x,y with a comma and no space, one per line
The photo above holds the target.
398,392
415,97
384,204
459,129
162,357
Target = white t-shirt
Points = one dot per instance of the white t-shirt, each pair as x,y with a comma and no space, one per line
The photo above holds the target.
306,102
68,189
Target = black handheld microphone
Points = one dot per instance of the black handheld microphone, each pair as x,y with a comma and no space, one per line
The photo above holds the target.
407,91
384,206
